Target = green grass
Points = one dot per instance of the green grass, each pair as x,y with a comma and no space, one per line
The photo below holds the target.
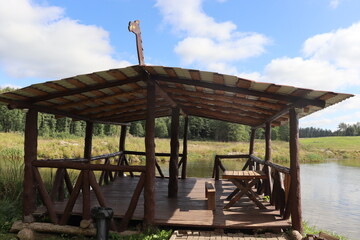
308,229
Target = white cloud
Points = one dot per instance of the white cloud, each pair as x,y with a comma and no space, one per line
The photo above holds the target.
334,3
340,47
207,43
309,73
40,41
330,61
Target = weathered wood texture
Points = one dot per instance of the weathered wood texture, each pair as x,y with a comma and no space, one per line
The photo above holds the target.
210,194
149,203
30,151
173,163
122,138
295,191
280,180
190,208
185,148
251,148
267,183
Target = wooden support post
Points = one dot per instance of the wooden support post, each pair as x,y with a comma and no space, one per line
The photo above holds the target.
122,158
174,157
122,138
251,147
185,148
30,150
149,192
295,193
88,140
86,181
267,189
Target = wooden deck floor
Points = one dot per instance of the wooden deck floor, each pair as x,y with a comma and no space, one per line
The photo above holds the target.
190,208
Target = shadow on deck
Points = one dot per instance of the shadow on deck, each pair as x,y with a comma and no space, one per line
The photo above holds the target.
190,208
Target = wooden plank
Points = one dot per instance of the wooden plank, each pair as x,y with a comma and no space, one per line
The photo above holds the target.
190,208
250,92
82,166
247,104
87,88
210,194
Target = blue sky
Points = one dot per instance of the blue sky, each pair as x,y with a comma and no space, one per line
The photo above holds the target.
304,43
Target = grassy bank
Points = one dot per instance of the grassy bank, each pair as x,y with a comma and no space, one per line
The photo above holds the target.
311,149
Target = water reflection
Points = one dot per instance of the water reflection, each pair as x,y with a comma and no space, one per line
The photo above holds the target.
331,196
330,192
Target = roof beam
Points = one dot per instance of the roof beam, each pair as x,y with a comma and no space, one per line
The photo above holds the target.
136,109
214,101
100,99
87,89
257,105
213,114
238,90
25,105
140,117
299,104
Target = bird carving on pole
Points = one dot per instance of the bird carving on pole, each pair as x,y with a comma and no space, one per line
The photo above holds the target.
134,27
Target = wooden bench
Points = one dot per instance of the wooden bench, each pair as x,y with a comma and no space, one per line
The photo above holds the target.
210,195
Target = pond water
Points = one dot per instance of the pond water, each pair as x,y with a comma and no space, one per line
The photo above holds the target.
330,192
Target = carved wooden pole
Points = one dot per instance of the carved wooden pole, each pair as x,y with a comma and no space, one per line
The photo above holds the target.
86,181
149,192
267,190
251,147
122,138
135,28
174,157
30,150
295,190
185,150
122,160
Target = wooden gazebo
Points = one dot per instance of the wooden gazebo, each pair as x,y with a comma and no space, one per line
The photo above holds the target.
144,92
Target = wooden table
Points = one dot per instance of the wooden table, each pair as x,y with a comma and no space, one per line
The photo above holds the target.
244,181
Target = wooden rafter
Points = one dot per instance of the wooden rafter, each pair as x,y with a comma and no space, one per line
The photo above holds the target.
86,89
224,98
209,113
214,86
215,101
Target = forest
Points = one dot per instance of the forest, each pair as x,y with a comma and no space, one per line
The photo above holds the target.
199,128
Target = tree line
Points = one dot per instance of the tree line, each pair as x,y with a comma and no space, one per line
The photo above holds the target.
343,129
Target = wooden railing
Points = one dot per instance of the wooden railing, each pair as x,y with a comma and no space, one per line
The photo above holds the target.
85,179
278,181
137,153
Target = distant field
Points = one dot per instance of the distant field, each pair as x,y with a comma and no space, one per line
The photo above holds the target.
311,149
338,143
